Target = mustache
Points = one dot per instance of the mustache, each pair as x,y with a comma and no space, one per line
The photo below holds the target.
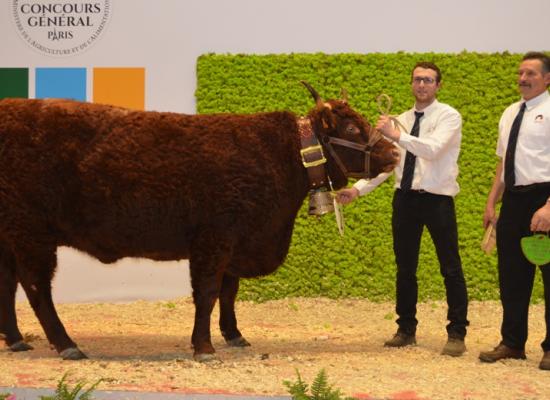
524,84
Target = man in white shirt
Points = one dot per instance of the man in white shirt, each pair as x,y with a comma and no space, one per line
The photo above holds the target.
522,180
425,183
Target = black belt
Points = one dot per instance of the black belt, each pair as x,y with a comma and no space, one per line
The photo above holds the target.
529,188
419,191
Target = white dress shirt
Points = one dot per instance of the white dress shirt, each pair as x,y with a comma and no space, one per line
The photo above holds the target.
436,149
532,159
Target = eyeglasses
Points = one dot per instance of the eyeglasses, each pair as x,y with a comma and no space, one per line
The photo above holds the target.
426,79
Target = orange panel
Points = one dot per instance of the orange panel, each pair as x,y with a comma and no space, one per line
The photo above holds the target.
124,87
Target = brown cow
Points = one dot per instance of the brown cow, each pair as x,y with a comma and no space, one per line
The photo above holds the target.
221,190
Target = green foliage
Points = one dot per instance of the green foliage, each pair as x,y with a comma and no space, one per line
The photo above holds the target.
64,392
170,305
5,396
320,389
361,264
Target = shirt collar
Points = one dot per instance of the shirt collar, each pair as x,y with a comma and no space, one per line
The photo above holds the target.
535,101
428,109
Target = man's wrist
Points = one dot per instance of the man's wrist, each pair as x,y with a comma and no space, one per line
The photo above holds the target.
396,135
359,186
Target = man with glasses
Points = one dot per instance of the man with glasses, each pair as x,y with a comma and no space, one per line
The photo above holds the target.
522,179
425,183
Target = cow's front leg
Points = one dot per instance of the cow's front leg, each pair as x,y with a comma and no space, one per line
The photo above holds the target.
228,320
9,331
202,345
207,263
35,272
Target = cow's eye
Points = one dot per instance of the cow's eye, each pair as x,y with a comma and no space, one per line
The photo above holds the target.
352,129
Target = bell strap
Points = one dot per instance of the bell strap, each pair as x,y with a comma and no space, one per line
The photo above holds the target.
312,155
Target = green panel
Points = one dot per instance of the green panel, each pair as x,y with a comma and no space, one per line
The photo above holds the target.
14,82
361,264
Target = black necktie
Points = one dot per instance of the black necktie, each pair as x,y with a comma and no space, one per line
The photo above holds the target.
509,168
410,158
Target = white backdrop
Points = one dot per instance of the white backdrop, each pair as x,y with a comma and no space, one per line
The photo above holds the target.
167,36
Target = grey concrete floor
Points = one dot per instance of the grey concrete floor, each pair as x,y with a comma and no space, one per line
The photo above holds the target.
34,393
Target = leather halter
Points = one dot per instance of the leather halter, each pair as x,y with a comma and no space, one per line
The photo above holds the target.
313,157
364,148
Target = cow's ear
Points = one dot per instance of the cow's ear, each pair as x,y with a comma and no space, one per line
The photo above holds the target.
327,117
327,122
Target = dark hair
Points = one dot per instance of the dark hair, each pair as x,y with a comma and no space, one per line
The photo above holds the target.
428,65
537,55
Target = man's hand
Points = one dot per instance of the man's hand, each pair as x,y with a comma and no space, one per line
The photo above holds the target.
490,216
385,126
346,196
541,219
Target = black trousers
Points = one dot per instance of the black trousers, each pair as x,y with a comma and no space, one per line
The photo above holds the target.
412,211
516,274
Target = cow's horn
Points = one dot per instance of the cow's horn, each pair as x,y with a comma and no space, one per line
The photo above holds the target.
314,93
344,94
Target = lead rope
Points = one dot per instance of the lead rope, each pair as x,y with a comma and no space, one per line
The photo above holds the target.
385,109
338,209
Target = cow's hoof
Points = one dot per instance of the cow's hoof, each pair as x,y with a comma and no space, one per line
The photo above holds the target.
72,353
238,342
206,357
20,346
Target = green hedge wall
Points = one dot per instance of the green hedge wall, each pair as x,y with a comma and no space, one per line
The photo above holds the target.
361,264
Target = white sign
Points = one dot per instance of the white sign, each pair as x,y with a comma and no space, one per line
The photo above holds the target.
60,27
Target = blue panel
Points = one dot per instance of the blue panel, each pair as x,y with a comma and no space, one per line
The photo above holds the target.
65,83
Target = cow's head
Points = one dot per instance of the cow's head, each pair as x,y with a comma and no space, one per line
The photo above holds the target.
353,148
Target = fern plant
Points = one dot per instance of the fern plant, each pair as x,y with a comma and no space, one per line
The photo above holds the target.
320,389
64,392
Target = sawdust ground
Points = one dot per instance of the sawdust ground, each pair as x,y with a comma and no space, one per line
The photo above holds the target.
144,346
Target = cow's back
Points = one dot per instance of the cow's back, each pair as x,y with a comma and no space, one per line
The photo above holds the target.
116,183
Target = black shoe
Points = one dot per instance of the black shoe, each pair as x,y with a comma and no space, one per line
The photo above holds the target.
545,362
501,352
401,339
